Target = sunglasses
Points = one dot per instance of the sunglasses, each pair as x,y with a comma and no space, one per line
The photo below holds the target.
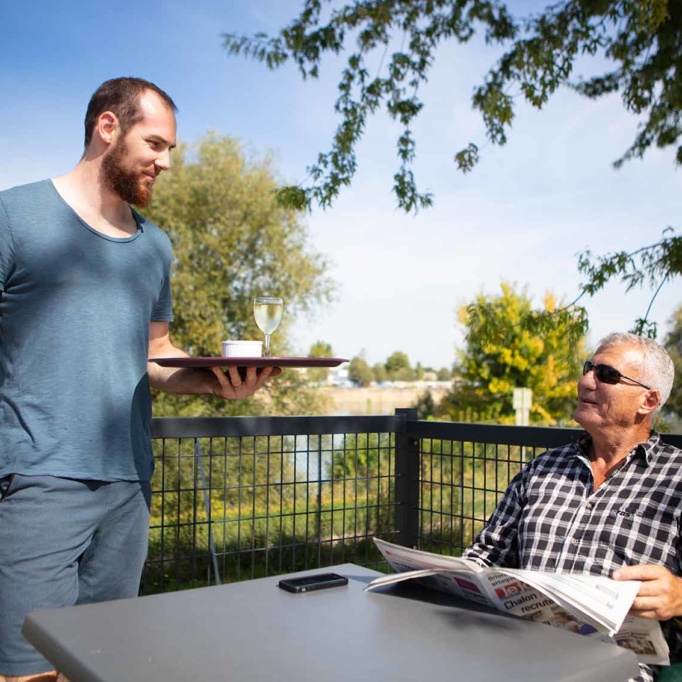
608,375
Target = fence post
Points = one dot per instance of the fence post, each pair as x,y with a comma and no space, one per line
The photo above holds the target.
406,481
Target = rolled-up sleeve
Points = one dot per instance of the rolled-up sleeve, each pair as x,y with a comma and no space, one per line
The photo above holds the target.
497,544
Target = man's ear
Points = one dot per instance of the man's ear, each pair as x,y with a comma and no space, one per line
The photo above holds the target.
108,127
652,400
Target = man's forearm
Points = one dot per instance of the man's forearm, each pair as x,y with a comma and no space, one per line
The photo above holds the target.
185,380
189,381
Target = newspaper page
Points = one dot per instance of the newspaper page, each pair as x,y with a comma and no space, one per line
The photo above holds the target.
594,606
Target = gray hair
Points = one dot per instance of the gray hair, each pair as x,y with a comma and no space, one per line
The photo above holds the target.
657,366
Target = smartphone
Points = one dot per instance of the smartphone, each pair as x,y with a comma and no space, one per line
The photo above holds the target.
313,582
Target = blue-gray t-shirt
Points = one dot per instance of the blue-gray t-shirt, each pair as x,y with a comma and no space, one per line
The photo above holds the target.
75,310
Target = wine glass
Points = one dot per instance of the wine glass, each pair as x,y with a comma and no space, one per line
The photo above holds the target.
268,313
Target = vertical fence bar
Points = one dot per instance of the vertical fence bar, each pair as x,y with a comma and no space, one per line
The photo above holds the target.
207,505
407,481
318,502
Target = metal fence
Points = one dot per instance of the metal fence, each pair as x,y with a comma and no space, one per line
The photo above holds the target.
240,498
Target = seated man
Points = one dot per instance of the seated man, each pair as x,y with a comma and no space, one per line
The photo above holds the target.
610,503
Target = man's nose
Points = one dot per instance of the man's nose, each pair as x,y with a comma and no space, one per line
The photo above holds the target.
163,161
588,380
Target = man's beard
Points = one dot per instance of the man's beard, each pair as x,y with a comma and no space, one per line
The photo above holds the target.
126,183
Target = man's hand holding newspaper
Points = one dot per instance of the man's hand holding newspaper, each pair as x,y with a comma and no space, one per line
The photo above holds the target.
589,605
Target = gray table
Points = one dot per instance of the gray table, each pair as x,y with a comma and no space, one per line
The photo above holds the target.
253,631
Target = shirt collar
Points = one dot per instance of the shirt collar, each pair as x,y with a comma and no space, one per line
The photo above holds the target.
649,449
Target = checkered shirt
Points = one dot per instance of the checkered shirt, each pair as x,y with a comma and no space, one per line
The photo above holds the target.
551,519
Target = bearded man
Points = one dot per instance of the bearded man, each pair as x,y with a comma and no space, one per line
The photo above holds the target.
85,301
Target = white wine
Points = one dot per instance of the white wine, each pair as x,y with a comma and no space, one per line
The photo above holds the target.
268,316
268,313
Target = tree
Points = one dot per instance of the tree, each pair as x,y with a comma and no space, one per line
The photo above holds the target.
398,367
673,344
380,374
232,241
360,372
320,349
642,40
444,374
508,356
425,405
639,40
396,363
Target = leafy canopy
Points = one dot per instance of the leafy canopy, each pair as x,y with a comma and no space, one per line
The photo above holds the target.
639,40
359,371
502,355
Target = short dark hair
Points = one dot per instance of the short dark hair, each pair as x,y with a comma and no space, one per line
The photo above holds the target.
121,96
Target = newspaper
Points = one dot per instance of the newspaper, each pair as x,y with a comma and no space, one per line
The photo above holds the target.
595,606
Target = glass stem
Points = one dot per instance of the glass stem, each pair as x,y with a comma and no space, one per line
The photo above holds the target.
267,345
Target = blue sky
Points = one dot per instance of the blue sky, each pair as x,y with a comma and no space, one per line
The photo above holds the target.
522,215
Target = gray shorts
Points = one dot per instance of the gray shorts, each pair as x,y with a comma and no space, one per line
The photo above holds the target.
65,542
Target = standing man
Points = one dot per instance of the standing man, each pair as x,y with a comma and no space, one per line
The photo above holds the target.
85,300
611,503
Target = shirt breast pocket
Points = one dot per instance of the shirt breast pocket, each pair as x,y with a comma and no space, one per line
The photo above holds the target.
642,533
